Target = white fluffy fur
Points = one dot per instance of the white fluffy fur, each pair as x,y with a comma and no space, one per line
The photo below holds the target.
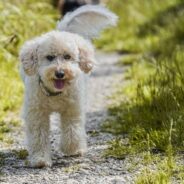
71,103
88,21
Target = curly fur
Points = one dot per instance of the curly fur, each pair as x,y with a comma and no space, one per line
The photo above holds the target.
88,21
70,104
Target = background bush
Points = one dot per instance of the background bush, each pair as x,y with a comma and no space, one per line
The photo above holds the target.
153,99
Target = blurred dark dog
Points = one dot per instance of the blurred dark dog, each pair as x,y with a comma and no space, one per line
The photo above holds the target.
66,6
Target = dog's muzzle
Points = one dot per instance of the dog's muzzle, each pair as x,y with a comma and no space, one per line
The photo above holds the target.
46,91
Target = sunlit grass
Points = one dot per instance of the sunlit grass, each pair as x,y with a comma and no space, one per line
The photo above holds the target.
155,98
161,170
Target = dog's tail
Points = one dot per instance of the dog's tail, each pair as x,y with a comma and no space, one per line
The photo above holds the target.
88,21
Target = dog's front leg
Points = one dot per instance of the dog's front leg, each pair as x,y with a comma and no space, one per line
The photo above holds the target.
37,134
73,135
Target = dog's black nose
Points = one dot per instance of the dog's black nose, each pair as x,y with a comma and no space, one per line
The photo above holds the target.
59,74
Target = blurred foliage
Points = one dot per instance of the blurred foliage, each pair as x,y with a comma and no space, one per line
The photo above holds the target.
141,24
19,20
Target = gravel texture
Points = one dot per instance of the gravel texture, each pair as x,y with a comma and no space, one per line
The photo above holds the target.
93,168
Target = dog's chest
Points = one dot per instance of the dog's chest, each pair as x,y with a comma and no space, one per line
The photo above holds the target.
62,102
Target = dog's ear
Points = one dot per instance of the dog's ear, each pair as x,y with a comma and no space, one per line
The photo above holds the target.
88,21
28,56
86,54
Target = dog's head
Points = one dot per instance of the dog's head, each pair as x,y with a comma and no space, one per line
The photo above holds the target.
58,58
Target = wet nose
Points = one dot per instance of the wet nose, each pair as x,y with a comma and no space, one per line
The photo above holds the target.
59,74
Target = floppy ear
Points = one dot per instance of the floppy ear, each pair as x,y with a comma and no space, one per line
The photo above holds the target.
86,54
88,21
28,57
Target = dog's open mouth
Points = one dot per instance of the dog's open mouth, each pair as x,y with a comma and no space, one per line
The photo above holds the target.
59,84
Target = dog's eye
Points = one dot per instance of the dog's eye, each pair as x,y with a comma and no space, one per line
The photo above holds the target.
50,57
67,56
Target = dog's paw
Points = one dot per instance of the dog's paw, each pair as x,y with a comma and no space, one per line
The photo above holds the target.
39,162
81,152
75,153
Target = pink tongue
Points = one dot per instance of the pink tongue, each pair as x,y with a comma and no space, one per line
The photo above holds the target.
59,84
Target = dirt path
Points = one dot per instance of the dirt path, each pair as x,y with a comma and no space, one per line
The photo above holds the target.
92,168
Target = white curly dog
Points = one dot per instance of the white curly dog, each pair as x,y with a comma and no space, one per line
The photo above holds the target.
54,68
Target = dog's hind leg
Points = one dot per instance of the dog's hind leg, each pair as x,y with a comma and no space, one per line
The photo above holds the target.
37,134
73,136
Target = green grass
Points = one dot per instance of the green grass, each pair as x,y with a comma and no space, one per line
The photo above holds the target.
155,177
21,154
161,170
19,20
140,24
149,108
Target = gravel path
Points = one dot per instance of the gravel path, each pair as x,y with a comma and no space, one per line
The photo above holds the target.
92,168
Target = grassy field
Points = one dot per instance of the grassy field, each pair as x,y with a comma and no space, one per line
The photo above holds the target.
149,108
19,20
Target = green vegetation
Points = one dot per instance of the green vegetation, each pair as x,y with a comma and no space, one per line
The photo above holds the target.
21,154
149,177
149,108
19,20
164,170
